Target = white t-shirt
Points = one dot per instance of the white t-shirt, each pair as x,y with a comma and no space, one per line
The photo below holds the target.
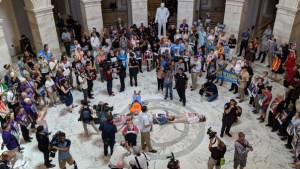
84,84
119,153
49,84
142,159
144,120
12,97
51,66
192,117
44,66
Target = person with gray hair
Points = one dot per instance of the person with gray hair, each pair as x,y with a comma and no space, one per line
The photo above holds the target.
140,160
242,147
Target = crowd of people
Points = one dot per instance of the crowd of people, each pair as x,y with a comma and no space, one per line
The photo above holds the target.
190,51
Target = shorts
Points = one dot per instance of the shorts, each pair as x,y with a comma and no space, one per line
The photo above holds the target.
62,163
237,162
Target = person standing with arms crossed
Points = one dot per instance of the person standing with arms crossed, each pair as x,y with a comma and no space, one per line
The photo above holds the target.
145,125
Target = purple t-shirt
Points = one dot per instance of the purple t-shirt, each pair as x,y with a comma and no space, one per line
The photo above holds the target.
10,140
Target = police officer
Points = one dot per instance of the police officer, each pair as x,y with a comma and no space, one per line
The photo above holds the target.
229,116
43,145
181,85
133,68
121,70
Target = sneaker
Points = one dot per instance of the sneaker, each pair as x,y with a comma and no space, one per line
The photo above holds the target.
153,151
166,98
171,98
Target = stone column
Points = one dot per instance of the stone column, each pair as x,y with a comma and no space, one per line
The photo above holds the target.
5,56
92,15
43,27
284,22
234,17
185,11
139,12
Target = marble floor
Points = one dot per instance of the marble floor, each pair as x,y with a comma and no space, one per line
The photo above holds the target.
188,142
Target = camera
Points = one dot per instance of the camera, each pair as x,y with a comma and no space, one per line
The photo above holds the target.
211,133
102,110
173,163
54,142
103,107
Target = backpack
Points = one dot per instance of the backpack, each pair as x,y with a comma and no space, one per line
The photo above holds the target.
86,115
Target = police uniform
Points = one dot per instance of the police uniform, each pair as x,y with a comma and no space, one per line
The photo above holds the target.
228,119
181,83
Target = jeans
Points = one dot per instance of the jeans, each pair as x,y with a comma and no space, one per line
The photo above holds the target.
109,86
160,83
133,75
85,94
90,87
212,97
25,133
122,78
226,125
111,145
168,87
181,93
244,45
68,47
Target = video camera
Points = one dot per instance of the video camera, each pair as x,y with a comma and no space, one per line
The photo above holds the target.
211,133
54,142
173,163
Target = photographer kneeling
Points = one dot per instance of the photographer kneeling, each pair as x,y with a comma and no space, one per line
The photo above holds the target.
217,153
211,91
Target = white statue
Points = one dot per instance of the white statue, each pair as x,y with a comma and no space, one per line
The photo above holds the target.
162,15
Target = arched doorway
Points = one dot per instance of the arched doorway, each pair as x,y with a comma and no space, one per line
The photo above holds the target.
114,9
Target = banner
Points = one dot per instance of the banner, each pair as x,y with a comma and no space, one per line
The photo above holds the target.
227,76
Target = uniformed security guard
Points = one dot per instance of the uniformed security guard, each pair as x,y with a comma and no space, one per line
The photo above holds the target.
121,70
181,84
229,116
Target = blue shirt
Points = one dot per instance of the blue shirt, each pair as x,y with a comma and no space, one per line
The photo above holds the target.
246,35
163,63
64,154
179,46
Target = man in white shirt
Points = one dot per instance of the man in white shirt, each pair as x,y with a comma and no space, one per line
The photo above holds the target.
95,42
120,151
53,65
140,160
82,78
196,68
12,98
145,126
